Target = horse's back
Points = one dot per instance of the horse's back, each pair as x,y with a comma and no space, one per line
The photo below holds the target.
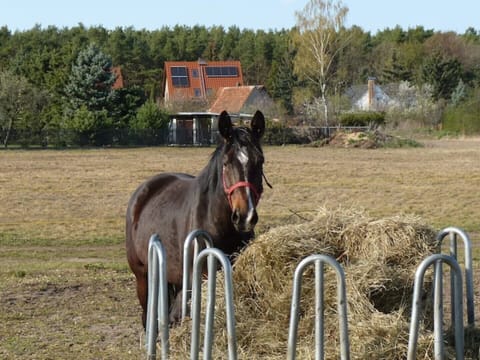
148,189
149,209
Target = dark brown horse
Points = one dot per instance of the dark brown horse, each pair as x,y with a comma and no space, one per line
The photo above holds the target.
221,200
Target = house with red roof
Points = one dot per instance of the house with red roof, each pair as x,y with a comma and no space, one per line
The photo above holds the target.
240,100
212,86
199,80
202,90
119,82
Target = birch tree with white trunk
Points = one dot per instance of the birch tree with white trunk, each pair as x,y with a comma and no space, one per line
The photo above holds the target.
318,42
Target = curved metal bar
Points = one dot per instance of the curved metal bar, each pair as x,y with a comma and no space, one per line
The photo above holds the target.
319,260
453,232
458,308
438,315
187,261
157,305
218,256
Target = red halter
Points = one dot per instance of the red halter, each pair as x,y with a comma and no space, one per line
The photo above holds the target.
231,189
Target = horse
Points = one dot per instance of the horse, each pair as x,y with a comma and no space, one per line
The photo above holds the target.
221,200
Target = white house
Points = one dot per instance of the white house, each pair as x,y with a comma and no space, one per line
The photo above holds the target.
374,99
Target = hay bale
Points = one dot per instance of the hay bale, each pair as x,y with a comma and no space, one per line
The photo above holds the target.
379,257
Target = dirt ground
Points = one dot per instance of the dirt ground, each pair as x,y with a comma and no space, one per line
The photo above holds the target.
89,311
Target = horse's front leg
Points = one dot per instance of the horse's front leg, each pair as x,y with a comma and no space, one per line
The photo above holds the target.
175,301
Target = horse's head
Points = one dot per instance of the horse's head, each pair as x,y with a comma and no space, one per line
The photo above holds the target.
242,169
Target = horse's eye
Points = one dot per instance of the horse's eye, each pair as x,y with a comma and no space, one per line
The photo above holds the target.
226,160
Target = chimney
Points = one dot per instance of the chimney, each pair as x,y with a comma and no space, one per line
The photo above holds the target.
202,63
371,92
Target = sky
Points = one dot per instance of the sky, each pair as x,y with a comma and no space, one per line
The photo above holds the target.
370,15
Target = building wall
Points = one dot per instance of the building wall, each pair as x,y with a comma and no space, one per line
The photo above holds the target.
192,129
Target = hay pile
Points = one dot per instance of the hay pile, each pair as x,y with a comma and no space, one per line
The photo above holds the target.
379,256
369,140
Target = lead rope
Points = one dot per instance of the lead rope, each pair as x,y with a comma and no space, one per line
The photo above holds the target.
266,181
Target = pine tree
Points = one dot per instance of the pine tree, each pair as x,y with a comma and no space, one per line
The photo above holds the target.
90,82
442,74
459,93
90,98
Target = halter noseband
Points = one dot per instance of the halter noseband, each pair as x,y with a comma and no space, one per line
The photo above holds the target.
240,184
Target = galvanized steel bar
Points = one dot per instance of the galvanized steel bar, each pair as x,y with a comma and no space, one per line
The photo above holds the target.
453,253
319,260
157,305
219,256
438,345
195,235
319,311
454,232
457,306
152,302
210,312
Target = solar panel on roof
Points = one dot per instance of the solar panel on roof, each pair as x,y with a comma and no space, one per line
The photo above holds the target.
179,76
180,81
179,71
221,71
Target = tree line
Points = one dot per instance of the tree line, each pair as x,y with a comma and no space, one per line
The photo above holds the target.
44,84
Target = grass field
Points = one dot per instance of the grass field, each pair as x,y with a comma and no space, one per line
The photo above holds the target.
65,287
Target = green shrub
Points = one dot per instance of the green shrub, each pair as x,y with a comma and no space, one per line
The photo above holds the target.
396,142
463,119
279,134
150,116
363,118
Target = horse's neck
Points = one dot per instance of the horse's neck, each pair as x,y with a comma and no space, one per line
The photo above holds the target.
210,177
213,199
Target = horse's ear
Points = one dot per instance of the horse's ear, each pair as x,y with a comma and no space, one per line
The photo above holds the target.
258,124
225,126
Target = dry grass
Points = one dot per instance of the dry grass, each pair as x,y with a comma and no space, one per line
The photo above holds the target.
64,271
379,258
434,182
77,196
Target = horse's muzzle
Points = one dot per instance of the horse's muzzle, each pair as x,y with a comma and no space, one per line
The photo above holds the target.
244,223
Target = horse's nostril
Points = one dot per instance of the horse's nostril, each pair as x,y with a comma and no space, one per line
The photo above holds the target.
253,218
245,222
235,216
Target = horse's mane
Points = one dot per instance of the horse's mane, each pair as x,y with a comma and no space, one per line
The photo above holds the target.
210,172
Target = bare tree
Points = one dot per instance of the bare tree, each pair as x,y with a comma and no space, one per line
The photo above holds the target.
20,103
318,42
